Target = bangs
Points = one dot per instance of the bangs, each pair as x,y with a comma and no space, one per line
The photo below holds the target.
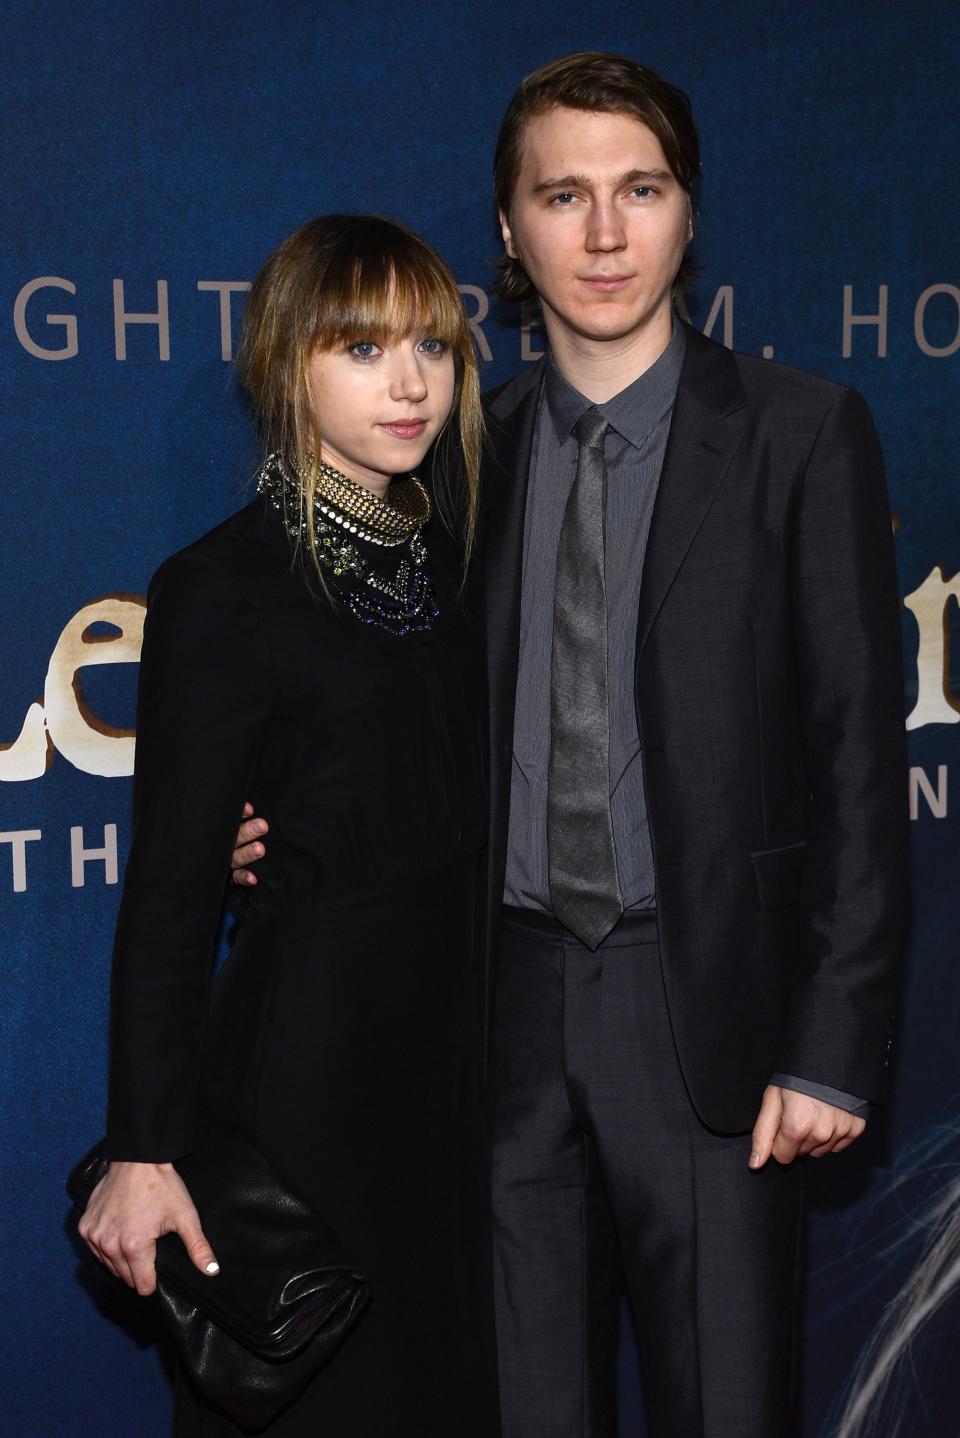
386,298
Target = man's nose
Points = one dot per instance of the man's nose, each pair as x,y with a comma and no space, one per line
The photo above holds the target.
605,229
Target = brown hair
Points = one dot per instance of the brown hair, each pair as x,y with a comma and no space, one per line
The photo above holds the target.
336,280
593,80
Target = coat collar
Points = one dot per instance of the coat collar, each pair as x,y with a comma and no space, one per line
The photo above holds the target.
511,417
705,433
709,418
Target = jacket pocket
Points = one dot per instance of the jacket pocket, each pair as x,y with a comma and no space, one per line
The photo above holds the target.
779,874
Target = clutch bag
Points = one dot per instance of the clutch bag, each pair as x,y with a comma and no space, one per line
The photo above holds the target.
285,1298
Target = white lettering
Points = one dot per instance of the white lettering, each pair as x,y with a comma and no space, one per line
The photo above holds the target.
879,319
82,738
928,605
919,315
31,753
225,288
80,857
69,322
936,802
475,321
122,317
723,300
18,839
529,321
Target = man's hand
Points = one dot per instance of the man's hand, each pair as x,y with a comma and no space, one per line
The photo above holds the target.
790,1124
247,849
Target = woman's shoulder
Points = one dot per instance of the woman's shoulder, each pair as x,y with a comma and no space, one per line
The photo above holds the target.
239,553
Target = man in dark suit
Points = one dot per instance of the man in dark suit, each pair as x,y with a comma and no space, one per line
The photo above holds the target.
697,862
697,878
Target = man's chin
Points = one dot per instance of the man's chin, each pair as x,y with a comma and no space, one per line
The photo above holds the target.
604,325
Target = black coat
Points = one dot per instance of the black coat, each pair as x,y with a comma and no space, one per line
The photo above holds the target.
770,710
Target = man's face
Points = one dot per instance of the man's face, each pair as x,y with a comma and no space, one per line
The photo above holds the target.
599,223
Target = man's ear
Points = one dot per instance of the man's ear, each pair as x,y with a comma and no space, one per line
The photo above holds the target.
507,234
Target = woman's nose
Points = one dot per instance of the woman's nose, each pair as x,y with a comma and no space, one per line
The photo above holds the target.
407,381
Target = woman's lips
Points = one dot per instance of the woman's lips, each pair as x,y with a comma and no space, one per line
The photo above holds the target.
406,428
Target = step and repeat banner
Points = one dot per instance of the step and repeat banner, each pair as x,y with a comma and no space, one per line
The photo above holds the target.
154,157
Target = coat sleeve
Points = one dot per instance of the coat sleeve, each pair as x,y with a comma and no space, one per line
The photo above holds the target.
205,697
856,880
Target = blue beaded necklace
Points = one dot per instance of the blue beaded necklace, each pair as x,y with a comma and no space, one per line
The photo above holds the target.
349,541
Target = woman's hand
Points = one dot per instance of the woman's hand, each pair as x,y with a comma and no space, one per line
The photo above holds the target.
132,1206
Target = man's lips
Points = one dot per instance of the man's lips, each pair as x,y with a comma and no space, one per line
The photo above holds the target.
605,282
406,428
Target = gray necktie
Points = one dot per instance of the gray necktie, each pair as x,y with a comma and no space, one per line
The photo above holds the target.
584,887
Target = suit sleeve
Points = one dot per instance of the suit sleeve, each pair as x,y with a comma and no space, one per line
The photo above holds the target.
205,697
856,885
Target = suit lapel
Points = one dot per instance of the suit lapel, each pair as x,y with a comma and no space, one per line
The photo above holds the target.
705,433
510,418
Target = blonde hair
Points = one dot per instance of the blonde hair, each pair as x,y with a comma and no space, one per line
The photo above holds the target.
337,280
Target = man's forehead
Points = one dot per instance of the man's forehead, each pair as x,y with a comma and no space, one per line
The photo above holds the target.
591,140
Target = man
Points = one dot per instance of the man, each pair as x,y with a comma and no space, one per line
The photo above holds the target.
697,861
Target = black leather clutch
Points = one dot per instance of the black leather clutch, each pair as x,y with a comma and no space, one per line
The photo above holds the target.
286,1295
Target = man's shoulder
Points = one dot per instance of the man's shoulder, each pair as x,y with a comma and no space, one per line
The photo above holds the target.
767,377
767,384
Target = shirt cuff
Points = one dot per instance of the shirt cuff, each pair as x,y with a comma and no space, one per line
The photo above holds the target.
859,1107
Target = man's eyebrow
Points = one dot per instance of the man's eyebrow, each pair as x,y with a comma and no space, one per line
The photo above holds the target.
565,182
582,182
641,177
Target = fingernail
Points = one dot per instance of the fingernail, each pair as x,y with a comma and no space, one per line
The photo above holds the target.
212,1267
754,1160
250,879
259,828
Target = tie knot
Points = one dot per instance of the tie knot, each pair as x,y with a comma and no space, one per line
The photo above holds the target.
590,429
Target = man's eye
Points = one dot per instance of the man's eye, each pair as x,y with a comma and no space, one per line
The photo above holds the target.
433,347
364,349
563,199
642,190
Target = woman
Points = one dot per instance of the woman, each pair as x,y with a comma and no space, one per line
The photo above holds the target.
312,654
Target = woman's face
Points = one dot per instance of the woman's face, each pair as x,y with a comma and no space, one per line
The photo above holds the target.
380,407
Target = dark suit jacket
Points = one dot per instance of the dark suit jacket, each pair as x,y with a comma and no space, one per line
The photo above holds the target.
770,710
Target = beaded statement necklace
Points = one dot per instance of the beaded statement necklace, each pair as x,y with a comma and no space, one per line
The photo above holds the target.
347,518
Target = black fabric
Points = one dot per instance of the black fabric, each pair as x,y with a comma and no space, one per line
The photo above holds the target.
769,699
342,1033
603,1176
286,1295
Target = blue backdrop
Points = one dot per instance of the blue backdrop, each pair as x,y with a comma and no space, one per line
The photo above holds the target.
155,155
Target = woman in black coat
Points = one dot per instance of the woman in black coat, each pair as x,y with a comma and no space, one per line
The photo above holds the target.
312,654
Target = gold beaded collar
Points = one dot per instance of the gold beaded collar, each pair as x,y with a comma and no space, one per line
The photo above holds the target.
339,500
386,521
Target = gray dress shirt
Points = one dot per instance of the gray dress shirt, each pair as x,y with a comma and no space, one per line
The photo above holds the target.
639,419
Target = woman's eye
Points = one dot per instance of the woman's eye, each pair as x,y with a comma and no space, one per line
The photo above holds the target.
433,347
364,350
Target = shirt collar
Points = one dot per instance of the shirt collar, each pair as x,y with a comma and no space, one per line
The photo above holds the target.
635,410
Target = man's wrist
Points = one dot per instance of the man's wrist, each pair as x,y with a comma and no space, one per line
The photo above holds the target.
850,1103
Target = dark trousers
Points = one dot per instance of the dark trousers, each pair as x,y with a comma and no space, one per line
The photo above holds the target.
602,1175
